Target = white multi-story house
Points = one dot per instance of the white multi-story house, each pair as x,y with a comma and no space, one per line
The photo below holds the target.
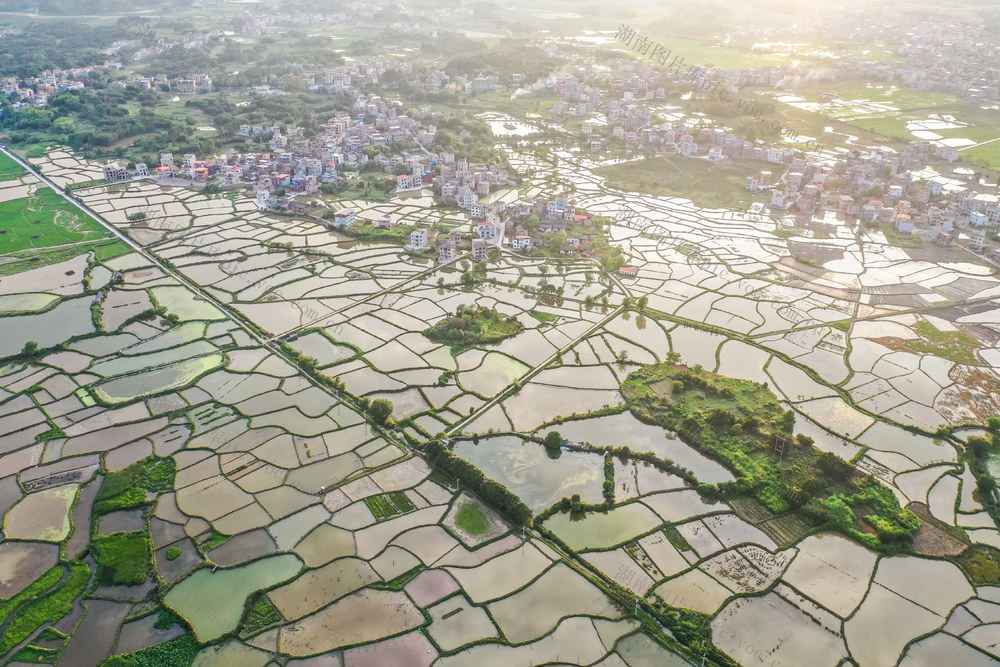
345,217
418,239
487,230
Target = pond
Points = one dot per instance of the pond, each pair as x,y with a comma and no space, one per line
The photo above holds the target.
156,381
123,365
603,530
625,430
525,469
185,304
494,373
213,601
69,318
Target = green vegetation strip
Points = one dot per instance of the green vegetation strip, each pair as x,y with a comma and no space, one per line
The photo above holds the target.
127,488
178,652
741,424
48,608
36,589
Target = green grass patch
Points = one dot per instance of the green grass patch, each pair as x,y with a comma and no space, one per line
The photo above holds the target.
111,250
387,505
42,220
173,553
982,564
48,608
900,240
127,489
983,156
122,558
38,655
543,317
471,326
366,231
24,260
260,616
178,652
214,540
954,346
676,539
708,184
9,169
471,519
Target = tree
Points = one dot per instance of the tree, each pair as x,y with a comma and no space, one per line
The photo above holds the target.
553,440
66,125
400,169
30,349
787,421
494,255
834,466
543,269
977,446
641,303
380,410
986,483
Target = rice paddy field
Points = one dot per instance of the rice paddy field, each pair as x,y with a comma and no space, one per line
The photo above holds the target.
178,487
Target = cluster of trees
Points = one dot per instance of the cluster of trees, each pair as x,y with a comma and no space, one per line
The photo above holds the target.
506,58
478,145
978,450
55,44
380,410
491,491
472,325
377,188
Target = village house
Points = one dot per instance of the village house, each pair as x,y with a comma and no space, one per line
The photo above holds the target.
345,217
480,250
418,239
487,230
521,242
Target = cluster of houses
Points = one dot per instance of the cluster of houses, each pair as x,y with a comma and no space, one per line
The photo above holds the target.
184,85
36,90
877,187
463,183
